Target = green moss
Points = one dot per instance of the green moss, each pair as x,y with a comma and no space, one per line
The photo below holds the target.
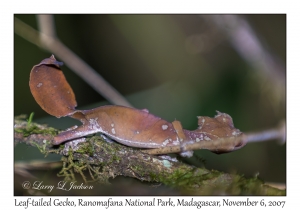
86,148
180,178
34,129
139,170
43,149
28,128
116,158
30,119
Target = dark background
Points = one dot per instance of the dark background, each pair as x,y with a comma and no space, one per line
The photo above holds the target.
178,67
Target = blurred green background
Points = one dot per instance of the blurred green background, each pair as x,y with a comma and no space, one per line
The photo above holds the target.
178,67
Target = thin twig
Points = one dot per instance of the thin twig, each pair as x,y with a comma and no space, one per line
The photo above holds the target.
244,40
22,168
276,133
71,60
46,25
27,32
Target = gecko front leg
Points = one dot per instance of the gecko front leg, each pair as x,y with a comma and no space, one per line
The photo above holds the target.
88,127
182,138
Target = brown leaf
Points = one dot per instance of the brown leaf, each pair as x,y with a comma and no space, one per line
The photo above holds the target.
50,88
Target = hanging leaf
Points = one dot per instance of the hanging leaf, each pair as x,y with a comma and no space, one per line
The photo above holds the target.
50,88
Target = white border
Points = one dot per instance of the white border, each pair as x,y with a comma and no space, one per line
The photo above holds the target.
8,8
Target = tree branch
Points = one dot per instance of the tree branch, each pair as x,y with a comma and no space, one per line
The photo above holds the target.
105,160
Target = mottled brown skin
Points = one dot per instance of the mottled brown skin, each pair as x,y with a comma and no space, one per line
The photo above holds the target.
128,126
131,127
221,126
139,128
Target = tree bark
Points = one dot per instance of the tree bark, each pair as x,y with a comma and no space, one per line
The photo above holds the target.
109,159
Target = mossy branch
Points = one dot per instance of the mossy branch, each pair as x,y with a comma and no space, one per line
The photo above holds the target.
104,160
